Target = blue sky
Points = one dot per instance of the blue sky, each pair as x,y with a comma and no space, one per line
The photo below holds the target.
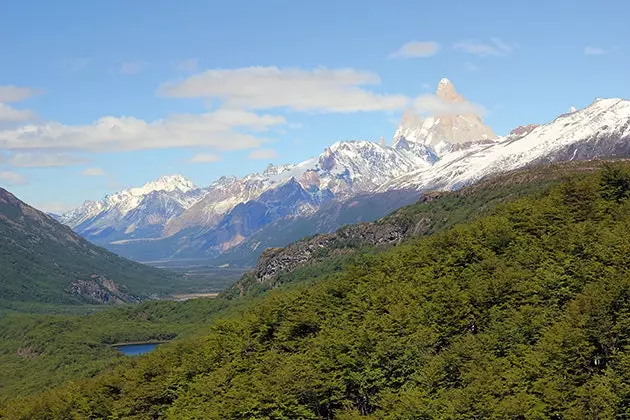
98,96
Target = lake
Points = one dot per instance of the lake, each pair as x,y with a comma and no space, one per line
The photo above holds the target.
136,349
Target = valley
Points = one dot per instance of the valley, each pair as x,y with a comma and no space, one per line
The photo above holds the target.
288,210
504,287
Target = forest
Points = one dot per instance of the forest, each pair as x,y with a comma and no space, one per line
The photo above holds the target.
521,313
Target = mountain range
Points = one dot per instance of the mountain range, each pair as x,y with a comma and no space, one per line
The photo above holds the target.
233,220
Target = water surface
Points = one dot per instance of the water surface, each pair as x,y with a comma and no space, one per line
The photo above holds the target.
136,349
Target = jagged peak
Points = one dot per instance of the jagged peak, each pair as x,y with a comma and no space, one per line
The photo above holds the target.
164,183
446,83
447,92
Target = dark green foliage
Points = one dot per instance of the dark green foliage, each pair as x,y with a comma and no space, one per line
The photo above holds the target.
615,182
524,313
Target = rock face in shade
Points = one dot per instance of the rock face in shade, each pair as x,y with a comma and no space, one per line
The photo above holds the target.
447,129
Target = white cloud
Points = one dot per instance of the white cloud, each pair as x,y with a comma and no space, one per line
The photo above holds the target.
495,47
263,154
93,172
189,65
416,49
10,93
594,51
320,89
433,105
216,129
10,114
205,158
44,160
133,67
12,178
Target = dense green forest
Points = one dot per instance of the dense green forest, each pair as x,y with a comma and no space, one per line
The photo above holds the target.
39,351
523,313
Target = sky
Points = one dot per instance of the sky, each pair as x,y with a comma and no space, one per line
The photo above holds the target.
100,96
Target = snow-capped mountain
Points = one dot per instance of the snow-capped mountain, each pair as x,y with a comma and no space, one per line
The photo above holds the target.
171,204
344,169
442,132
599,130
170,218
134,212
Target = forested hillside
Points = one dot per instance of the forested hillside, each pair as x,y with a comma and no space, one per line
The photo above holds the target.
44,262
320,255
524,313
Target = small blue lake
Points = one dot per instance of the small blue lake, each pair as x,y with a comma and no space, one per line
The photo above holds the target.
136,349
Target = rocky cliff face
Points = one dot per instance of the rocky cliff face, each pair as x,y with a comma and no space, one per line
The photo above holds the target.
99,289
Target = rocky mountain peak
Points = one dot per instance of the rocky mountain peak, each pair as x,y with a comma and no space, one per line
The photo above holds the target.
523,130
441,132
165,183
327,159
270,170
446,91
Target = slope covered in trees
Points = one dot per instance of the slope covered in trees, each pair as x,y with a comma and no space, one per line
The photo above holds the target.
321,255
524,313
44,262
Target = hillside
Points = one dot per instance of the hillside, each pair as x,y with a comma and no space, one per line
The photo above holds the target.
44,261
319,255
519,314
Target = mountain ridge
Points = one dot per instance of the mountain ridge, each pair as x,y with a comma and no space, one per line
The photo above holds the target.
163,225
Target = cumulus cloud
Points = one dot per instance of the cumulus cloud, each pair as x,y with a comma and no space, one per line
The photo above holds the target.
416,49
93,172
495,47
10,93
433,105
216,129
132,67
10,114
263,154
318,90
189,65
12,178
44,160
205,158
